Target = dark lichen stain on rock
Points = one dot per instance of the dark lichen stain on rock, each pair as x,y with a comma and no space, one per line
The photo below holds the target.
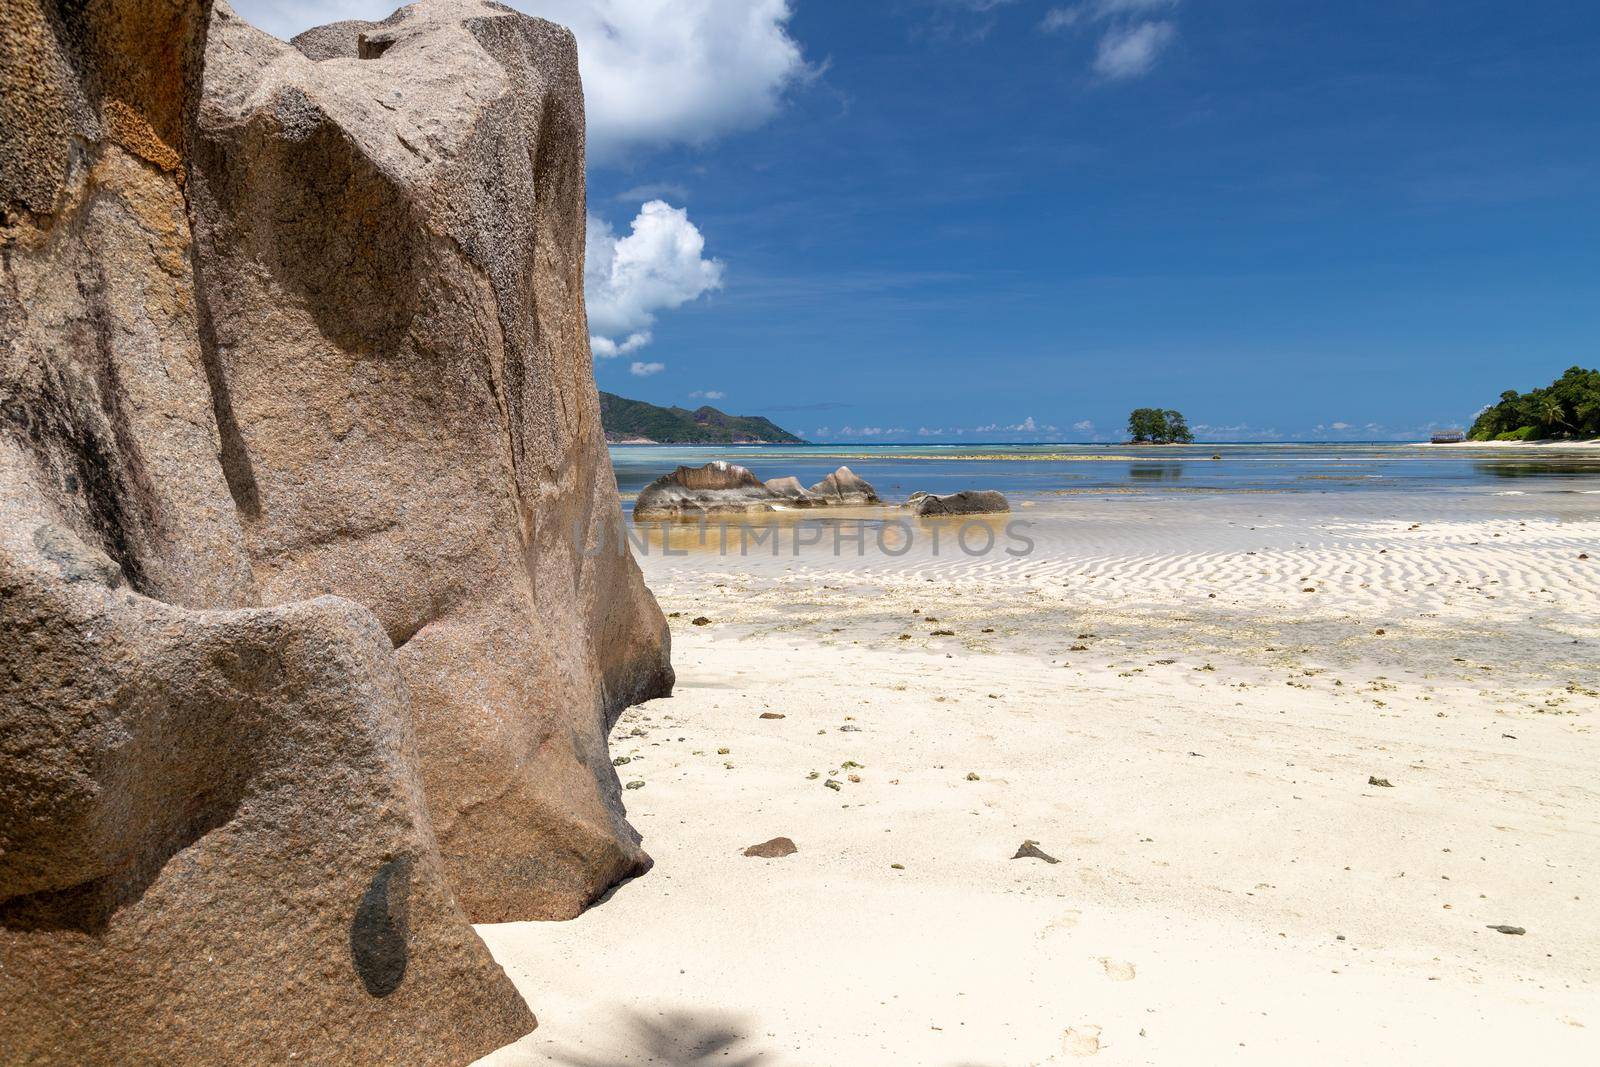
378,931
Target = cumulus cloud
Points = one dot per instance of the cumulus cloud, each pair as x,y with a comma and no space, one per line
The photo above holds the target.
644,370
659,264
655,72
606,348
1131,38
660,72
708,394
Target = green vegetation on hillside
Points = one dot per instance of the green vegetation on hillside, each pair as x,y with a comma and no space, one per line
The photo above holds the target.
624,419
1569,407
1154,426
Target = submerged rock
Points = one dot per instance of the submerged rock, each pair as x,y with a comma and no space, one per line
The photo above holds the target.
966,502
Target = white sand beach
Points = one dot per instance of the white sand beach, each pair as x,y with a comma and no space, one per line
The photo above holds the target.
1186,701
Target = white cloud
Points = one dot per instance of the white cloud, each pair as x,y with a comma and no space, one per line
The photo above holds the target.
652,191
659,265
1130,51
644,370
606,348
867,431
708,394
1064,18
655,72
1027,425
1085,426
660,72
1130,43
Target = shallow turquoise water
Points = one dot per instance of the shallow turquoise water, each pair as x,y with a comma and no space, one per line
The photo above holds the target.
897,471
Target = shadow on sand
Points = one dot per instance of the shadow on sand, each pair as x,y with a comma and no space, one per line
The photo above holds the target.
671,1039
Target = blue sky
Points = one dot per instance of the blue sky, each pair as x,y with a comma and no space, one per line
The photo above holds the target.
941,219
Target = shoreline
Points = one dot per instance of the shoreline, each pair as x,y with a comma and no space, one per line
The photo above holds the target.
1192,710
1551,445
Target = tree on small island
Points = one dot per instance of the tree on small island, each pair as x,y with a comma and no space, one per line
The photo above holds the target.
1567,408
1154,426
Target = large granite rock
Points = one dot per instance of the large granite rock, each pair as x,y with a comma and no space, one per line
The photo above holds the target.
966,502
391,251
718,488
844,487
214,847
328,340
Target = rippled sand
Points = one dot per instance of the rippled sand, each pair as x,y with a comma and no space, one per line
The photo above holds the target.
1182,698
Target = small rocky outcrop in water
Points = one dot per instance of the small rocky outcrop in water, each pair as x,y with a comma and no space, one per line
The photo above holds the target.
695,492
314,329
966,502
722,488
792,492
843,487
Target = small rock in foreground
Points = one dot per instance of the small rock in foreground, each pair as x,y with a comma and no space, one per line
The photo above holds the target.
772,714
777,848
1381,782
1514,931
1030,850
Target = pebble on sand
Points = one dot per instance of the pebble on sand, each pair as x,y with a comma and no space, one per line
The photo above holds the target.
777,848
772,715
700,620
1030,850
1381,782
1514,931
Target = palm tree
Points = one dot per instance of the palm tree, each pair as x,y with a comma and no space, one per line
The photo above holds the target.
1552,413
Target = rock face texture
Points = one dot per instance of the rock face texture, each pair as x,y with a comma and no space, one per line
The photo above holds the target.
844,487
305,663
213,841
696,492
391,250
966,502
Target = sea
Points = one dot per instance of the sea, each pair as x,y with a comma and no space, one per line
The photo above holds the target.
1056,470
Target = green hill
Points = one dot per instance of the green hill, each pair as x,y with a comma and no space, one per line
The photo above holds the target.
633,420
1569,407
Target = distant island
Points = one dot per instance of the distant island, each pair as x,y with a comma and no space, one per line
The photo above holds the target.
1566,409
635,422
